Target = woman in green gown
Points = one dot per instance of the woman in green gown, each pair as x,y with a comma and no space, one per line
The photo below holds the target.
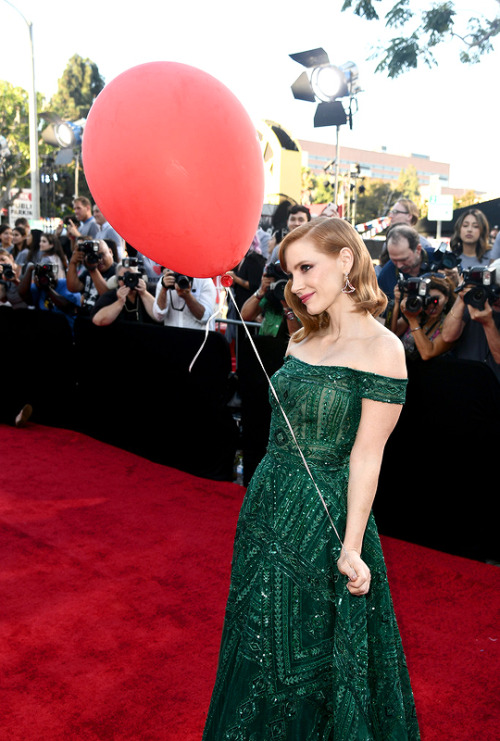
310,648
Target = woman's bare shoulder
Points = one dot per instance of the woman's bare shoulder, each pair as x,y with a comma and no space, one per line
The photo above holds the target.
385,354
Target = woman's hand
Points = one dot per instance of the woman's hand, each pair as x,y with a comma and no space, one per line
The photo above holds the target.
352,565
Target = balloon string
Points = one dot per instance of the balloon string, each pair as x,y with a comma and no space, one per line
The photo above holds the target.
207,330
273,391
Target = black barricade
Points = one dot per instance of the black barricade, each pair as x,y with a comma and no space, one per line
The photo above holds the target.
128,385
135,391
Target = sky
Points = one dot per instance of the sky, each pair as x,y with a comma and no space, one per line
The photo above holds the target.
448,112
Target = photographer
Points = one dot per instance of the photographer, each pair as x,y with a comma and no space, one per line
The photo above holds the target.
474,320
406,255
91,265
41,288
296,216
423,309
278,319
9,282
130,302
183,301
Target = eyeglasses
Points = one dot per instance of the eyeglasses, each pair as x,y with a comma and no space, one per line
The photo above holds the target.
395,211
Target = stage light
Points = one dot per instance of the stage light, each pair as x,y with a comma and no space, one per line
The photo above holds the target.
327,83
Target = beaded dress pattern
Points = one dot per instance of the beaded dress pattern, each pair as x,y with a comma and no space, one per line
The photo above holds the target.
301,659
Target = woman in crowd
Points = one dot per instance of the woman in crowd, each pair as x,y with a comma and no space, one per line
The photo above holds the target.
19,242
5,237
33,254
311,648
50,247
420,327
470,239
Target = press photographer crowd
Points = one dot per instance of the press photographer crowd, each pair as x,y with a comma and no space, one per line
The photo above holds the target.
442,302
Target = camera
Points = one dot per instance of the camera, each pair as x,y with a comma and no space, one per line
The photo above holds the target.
7,273
90,248
46,274
276,291
131,280
442,259
132,262
417,293
183,281
483,286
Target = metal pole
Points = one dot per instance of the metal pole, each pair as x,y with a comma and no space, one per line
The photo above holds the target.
33,125
337,165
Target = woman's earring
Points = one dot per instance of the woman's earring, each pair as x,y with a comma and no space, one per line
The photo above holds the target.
348,287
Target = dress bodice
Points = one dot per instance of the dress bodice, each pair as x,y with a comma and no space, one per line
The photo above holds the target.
323,405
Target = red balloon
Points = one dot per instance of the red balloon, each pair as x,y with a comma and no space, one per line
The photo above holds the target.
173,161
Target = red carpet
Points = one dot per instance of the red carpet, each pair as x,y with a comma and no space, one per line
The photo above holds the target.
113,583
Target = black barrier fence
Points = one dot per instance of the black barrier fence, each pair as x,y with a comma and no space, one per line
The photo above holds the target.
129,385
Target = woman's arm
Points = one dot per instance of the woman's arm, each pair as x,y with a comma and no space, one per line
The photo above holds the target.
378,420
428,348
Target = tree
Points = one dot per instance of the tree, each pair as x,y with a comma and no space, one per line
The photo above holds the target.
423,30
14,127
77,89
375,201
407,185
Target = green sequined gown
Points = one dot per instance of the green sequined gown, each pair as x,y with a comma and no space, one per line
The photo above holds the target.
301,659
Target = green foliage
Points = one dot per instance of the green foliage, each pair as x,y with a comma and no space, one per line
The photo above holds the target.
363,8
407,185
376,201
14,126
77,89
431,27
469,198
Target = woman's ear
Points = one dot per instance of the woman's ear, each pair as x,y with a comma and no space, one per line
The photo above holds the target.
346,259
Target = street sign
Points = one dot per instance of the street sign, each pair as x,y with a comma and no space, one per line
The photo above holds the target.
22,205
440,208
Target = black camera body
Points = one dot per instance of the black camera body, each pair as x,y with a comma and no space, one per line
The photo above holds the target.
483,286
131,279
183,281
133,262
90,249
46,274
417,292
276,291
7,273
442,259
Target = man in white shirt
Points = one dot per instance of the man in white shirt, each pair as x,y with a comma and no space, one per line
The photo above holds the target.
182,301
106,231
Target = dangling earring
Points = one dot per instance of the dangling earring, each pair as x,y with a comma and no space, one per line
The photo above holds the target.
348,287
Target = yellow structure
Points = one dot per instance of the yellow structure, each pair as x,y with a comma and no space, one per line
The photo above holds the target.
282,156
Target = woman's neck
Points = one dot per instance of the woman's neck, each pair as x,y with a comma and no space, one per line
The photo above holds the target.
469,249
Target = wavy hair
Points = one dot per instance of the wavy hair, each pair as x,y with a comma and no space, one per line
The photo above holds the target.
482,244
330,236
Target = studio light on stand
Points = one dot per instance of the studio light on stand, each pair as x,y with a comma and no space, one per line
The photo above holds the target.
326,84
67,136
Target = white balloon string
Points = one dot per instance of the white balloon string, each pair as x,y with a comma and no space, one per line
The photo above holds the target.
301,454
207,330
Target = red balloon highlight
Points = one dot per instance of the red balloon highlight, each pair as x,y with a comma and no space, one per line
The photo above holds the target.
173,161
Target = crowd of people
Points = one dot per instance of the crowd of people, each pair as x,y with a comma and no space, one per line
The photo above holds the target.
443,301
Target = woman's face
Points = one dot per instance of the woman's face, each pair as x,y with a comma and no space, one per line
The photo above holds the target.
6,260
317,278
437,308
44,244
6,238
470,231
17,237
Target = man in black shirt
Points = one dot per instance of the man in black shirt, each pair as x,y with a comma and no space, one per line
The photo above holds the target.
131,301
